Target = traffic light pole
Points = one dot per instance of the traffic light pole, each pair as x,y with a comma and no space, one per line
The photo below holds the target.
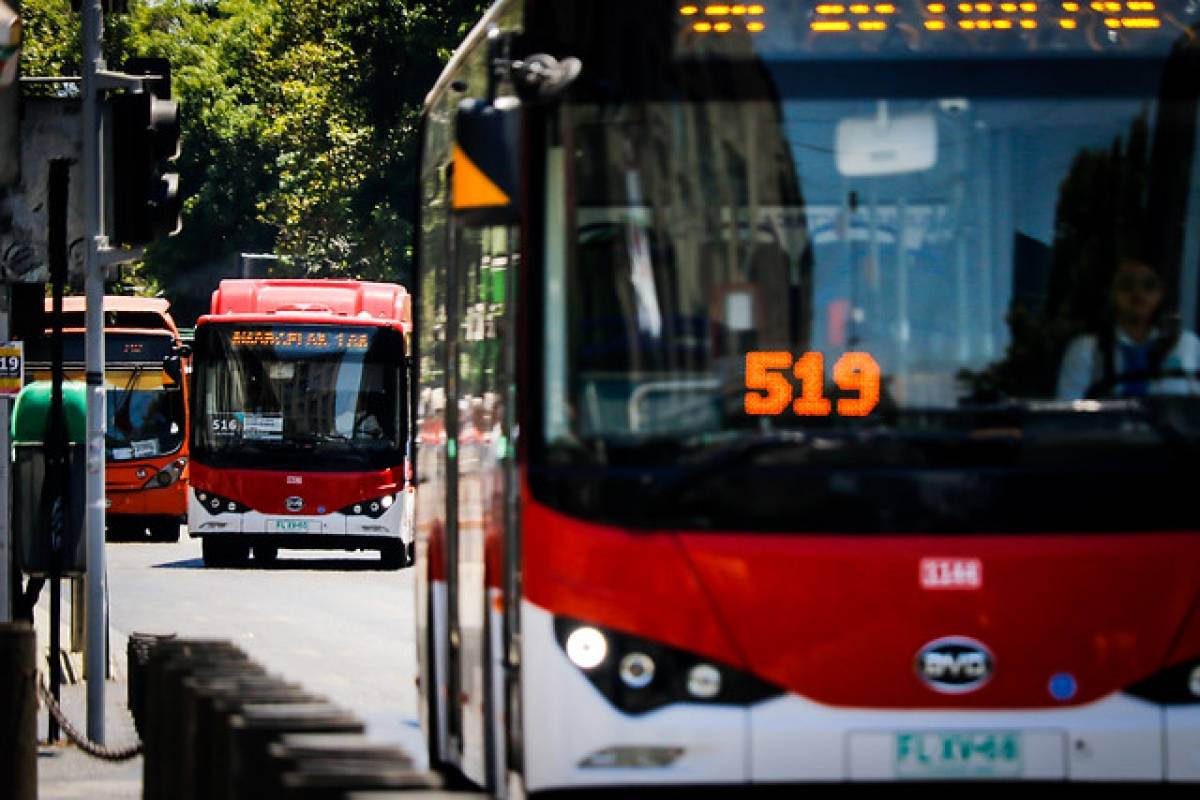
160,122
93,131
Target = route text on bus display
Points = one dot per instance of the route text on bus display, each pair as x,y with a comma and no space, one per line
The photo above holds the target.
299,340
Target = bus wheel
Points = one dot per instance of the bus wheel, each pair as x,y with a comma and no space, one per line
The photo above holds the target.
393,555
223,554
265,553
165,531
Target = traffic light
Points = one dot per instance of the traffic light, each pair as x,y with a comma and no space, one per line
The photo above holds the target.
145,198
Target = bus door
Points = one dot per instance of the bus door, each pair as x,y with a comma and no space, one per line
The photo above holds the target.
484,259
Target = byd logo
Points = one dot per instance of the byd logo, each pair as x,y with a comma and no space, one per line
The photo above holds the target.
954,664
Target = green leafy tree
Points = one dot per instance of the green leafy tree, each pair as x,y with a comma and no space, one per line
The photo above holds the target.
347,140
51,46
226,167
299,127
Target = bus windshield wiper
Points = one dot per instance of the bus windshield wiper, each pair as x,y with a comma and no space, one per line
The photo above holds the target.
315,438
127,396
1169,416
1164,413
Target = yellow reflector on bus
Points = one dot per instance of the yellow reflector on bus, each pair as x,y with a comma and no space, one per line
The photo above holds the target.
473,189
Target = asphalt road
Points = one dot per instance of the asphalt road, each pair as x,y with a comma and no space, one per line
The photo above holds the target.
336,622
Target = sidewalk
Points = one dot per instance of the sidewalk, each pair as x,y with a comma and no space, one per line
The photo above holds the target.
64,771
67,773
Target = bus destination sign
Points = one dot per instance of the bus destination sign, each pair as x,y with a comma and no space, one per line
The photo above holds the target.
291,339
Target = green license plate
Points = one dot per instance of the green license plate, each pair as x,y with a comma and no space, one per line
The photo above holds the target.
949,754
289,526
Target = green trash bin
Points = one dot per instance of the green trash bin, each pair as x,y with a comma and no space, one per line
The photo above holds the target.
32,527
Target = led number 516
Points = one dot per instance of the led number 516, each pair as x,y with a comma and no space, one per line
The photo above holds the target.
770,392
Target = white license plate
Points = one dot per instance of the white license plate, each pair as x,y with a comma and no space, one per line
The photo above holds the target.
951,754
292,526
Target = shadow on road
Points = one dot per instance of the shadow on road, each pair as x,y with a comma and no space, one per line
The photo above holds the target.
289,564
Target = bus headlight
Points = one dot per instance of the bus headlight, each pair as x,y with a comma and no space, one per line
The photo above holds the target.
704,681
216,504
168,475
636,670
586,647
373,507
638,675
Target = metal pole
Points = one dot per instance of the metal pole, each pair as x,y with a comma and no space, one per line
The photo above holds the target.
55,444
10,163
78,620
10,584
18,709
97,623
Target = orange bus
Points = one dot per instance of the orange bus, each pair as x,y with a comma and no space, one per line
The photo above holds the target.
146,365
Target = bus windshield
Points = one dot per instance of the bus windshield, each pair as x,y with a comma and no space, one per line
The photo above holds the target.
146,407
144,420
312,397
900,268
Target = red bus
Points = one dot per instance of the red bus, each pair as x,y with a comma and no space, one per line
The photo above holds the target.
145,440
301,417
807,392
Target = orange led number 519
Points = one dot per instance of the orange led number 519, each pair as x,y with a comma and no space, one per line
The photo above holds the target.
770,392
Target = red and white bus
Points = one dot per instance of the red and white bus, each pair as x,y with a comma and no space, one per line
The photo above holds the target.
300,433
744,452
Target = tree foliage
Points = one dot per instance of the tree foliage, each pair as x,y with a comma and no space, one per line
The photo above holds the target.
299,126
51,44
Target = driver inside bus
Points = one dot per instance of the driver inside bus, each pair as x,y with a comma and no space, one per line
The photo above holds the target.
367,426
1138,351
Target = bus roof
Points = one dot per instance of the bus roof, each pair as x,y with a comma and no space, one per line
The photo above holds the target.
312,300
120,312
114,302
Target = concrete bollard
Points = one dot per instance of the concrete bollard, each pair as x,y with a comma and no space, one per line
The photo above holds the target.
434,794
293,749
256,726
18,711
137,659
216,705
330,779
170,662
411,794
182,751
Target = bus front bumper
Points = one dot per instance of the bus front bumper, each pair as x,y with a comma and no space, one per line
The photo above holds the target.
304,530
575,737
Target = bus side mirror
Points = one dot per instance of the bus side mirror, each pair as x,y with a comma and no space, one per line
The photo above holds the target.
486,187
173,367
